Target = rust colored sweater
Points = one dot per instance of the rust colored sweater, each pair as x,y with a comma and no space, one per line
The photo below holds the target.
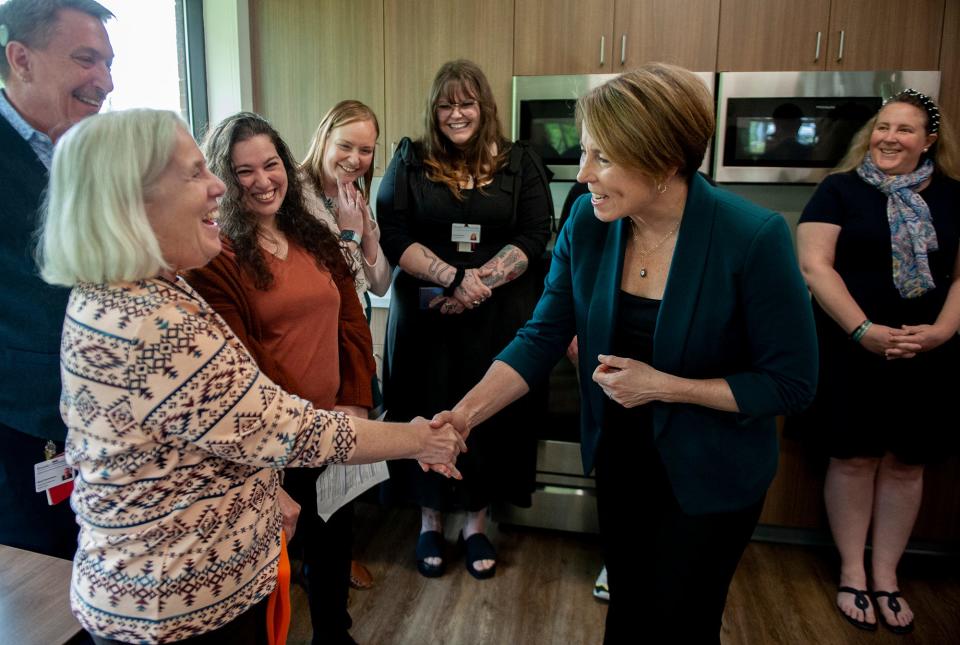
289,329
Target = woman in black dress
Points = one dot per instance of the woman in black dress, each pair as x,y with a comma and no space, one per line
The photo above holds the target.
466,216
878,248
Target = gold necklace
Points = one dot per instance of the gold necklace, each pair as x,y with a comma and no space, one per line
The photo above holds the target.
278,242
644,253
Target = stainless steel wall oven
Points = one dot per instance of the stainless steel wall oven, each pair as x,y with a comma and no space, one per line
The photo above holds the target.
543,114
793,127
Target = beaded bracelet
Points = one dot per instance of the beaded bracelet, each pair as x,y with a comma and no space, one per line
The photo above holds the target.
857,334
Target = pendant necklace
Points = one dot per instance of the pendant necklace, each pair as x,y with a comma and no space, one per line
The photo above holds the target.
644,253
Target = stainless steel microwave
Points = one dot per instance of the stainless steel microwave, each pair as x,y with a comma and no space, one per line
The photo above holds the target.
794,127
543,114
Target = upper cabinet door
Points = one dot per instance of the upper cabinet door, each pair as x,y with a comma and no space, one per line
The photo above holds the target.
564,37
421,35
682,32
885,34
307,55
773,35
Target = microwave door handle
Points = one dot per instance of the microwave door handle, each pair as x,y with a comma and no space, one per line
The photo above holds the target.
816,55
623,49
603,47
840,50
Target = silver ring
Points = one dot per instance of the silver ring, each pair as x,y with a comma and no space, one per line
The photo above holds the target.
476,303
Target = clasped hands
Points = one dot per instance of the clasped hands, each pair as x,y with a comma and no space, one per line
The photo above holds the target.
470,294
906,342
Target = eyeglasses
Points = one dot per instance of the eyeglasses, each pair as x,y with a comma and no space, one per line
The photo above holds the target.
464,106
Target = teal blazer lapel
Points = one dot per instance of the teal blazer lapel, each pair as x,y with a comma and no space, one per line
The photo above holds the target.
602,315
684,284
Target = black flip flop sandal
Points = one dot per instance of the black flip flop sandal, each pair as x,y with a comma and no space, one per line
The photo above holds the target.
893,605
862,602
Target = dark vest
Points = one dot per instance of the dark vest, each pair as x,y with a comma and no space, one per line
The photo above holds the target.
31,311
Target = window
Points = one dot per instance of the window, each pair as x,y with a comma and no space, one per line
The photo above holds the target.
158,47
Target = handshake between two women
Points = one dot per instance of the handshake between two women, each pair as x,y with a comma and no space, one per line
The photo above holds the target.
441,442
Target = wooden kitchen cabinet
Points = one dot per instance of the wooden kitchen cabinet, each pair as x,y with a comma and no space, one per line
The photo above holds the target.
836,35
563,37
421,35
885,34
307,55
950,64
611,36
795,498
681,32
773,35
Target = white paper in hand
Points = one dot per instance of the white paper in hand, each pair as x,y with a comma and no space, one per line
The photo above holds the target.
340,483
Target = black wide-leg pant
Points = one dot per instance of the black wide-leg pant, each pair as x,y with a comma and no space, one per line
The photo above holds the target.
668,571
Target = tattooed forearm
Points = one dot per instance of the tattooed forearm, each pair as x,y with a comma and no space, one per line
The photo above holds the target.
428,267
506,266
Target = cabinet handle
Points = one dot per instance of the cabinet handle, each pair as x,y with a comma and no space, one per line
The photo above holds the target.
603,47
623,49
840,50
816,56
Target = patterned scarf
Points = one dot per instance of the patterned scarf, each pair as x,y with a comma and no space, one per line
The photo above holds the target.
911,229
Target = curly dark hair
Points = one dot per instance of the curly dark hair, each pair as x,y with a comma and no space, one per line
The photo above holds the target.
293,219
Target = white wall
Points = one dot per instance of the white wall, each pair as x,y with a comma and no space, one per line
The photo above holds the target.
226,32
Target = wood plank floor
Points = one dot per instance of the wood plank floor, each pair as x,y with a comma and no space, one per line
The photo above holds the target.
542,593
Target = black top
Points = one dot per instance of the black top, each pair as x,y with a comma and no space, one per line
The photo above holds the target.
633,338
432,359
863,253
866,405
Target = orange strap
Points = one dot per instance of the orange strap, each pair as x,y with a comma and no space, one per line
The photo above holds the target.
278,606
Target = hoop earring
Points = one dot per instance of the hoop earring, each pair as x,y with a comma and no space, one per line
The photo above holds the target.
661,187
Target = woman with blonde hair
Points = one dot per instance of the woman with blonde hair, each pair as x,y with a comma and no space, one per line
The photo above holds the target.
176,434
694,332
466,216
336,176
878,245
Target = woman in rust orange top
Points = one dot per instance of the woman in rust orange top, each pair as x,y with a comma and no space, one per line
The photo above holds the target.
284,287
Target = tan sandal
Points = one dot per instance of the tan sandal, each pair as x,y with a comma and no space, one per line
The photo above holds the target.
360,576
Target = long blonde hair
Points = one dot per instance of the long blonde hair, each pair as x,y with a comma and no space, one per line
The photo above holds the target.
343,113
943,151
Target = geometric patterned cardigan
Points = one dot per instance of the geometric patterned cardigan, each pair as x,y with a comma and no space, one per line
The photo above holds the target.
178,438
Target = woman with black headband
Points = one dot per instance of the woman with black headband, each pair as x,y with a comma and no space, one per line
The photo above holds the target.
878,248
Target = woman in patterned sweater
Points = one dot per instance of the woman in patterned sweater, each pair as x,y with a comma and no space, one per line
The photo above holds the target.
177,435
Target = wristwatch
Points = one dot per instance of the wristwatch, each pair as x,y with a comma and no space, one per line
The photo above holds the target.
348,235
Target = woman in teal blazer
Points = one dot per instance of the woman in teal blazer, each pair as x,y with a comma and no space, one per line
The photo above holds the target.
695,330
